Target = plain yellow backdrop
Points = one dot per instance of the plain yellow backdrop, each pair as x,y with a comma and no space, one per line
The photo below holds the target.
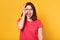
48,11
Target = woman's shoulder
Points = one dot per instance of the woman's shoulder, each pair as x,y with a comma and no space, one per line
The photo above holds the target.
39,23
38,20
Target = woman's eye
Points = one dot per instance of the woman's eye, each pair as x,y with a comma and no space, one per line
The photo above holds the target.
26,9
31,9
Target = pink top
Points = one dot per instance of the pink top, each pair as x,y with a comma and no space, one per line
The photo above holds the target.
30,30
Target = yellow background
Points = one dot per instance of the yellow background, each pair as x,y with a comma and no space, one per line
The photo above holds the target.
48,11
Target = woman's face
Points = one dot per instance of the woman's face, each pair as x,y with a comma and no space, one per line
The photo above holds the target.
29,11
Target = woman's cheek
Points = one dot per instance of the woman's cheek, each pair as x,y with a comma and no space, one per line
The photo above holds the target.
31,12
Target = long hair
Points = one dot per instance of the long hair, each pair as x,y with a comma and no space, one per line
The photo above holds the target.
34,16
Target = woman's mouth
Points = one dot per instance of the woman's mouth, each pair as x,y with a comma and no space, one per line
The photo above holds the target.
29,14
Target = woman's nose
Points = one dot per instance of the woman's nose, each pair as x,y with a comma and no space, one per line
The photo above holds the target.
28,11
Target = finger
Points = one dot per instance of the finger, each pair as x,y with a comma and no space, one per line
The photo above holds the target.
23,7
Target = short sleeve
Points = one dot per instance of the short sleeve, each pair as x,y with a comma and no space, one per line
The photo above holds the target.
39,24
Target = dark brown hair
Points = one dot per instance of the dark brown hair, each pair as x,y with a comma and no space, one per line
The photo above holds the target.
34,16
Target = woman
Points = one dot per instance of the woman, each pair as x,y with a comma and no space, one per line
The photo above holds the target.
30,26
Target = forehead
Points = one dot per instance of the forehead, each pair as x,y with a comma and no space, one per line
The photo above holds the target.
28,6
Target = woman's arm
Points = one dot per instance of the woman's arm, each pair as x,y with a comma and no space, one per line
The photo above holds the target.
40,36
21,22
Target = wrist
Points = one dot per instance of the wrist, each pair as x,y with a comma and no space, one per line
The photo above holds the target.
23,14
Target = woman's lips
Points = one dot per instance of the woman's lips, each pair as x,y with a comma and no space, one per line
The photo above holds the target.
29,14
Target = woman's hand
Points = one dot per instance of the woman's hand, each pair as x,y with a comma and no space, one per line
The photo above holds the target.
24,10
21,22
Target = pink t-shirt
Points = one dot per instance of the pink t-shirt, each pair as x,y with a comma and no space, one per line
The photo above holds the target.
30,30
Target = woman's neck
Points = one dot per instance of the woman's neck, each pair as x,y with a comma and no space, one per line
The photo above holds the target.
29,20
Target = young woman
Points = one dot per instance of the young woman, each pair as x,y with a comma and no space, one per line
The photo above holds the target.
30,26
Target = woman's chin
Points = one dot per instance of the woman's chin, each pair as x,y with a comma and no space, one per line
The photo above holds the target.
28,17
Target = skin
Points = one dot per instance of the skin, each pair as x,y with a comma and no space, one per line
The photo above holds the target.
28,12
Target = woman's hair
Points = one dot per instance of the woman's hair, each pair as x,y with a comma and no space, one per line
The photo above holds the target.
34,16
